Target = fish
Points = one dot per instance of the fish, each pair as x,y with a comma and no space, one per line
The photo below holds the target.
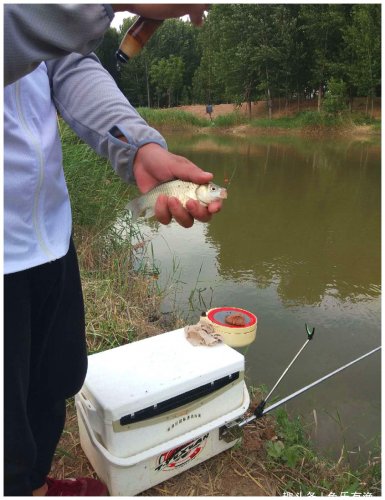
205,193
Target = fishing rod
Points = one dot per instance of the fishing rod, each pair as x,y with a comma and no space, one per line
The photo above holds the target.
261,410
232,429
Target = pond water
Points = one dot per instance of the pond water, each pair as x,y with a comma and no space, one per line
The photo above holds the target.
297,241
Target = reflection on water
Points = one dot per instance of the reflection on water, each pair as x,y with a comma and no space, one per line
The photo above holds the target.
298,241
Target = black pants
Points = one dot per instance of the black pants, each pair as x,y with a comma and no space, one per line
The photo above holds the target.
45,362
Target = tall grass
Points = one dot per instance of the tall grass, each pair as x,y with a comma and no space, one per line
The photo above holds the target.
314,119
122,303
178,119
308,474
300,120
97,194
230,120
183,119
173,118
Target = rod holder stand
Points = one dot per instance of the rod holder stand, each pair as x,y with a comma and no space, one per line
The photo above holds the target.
309,333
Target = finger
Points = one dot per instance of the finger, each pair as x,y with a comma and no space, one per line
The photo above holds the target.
198,211
215,207
185,170
180,214
162,212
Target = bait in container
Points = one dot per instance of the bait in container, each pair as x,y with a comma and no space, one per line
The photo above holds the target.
232,334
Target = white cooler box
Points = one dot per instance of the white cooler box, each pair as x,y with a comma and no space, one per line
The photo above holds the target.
154,408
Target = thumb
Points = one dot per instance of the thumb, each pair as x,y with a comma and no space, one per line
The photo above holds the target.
185,170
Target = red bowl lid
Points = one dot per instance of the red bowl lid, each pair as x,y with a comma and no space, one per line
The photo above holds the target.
219,314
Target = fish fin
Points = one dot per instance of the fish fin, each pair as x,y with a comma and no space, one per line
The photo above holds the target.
135,208
150,212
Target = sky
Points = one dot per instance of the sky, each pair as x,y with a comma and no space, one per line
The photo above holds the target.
118,19
119,16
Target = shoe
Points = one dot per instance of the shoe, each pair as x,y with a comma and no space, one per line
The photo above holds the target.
80,487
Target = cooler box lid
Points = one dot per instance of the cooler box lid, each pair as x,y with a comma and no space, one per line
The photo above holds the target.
124,380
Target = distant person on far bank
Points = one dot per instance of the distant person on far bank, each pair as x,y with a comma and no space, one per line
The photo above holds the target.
209,110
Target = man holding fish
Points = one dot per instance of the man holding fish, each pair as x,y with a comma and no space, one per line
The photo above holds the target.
49,66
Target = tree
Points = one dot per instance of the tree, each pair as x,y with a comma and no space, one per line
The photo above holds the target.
177,38
167,75
291,74
229,52
249,52
363,41
335,97
322,26
106,53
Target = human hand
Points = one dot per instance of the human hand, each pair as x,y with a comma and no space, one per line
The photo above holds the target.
154,165
165,11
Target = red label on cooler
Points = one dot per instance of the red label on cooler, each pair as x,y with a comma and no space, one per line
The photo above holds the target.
182,455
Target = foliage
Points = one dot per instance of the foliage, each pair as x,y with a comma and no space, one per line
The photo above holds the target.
167,76
248,52
310,474
178,120
175,40
120,300
322,25
363,47
291,446
106,52
335,97
172,118
91,183
229,120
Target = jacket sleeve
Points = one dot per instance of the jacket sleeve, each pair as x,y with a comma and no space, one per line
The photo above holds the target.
36,33
89,100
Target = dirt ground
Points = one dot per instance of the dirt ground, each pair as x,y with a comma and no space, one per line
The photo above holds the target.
259,110
200,110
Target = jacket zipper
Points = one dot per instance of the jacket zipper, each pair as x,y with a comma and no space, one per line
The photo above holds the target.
35,143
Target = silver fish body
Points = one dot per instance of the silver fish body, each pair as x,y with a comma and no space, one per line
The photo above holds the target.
184,191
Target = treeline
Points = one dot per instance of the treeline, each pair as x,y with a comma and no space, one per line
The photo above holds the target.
251,52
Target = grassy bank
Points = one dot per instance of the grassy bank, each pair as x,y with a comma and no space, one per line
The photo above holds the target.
122,300
305,120
172,118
